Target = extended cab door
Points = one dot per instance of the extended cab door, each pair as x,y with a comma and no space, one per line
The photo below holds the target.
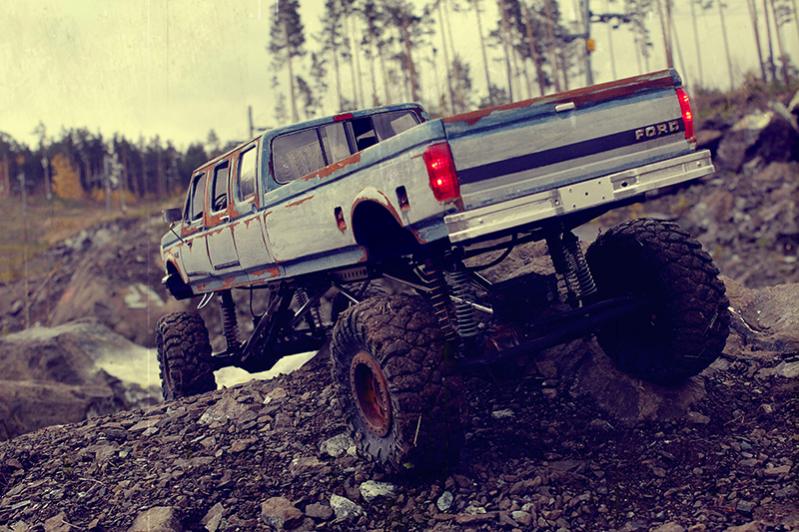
221,249
193,249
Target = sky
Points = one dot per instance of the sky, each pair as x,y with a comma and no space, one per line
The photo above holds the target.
178,68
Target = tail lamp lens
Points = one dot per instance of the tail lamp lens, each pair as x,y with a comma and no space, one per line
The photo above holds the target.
687,114
441,170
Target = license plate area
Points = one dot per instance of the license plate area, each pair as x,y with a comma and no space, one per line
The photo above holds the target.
581,195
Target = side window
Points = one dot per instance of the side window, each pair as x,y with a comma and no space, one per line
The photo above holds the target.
245,185
219,188
296,154
364,132
334,139
389,124
197,197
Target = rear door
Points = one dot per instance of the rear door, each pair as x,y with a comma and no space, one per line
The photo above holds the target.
248,232
194,250
221,248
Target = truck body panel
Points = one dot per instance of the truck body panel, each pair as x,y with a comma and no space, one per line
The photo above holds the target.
516,165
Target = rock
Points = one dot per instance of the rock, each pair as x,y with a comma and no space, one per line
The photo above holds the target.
752,526
764,319
277,394
745,507
280,513
344,508
708,139
338,446
223,411
213,518
444,502
162,518
627,399
671,526
766,408
57,523
319,511
371,490
522,517
502,414
475,519
777,471
697,418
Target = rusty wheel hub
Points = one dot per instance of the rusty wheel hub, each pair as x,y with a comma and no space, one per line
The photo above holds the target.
370,392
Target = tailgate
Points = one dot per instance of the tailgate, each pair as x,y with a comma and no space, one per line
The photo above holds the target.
535,145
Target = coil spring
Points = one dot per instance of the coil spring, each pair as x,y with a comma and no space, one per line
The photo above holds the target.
230,326
565,269
579,266
314,317
465,315
440,301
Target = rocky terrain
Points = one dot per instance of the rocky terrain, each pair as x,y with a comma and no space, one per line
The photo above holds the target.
571,445
562,441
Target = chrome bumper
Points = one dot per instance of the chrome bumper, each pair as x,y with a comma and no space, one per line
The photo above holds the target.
576,197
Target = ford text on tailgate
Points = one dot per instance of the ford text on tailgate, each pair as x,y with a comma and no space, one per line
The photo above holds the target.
368,231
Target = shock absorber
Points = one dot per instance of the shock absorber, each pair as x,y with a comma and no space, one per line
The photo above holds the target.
564,268
439,299
466,322
576,257
230,326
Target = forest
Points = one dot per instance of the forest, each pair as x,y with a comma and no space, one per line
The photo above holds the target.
371,52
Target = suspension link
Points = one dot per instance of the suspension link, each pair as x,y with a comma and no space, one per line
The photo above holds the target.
439,299
571,267
575,255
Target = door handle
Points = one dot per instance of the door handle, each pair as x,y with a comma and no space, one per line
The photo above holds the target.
568,106
224,218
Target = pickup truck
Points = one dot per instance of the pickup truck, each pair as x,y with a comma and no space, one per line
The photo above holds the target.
369,229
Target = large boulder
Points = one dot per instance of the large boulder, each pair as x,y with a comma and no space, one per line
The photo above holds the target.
69,373
767,135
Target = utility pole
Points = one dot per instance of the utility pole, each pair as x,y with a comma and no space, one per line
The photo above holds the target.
726,43
249,122
23,189
696,42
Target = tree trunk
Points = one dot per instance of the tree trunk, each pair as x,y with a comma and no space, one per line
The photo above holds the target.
355,51
385,75
353,80
753,16
476,5
336,69
375,98
771,64
450,91
295,117
537,62
556,70
610,45
506,47
696,43
666,34
676,41
406,42
726,43
783,58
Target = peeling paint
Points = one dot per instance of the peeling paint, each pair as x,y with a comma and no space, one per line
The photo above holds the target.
299,201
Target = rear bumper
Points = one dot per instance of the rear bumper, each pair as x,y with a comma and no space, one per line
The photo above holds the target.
490,219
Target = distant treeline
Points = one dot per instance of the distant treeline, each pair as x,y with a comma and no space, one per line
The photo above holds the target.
78,163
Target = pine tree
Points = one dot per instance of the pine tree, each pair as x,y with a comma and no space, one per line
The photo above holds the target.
462,80
411,32
331,39
287,42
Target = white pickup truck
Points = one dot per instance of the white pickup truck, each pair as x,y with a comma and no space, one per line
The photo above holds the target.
317,211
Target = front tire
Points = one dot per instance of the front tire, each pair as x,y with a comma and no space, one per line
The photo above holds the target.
685,322
395,384
184,356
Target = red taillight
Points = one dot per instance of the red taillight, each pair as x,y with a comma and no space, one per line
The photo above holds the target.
687,114
441,170
342,117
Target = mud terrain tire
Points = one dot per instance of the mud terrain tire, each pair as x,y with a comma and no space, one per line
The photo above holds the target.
685,322
395,385
184,356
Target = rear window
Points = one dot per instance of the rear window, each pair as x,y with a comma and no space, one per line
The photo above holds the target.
296,154
247,171
219,199
389,124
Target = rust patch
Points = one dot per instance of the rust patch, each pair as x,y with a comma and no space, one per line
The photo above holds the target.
272,271
299,201
188,231
594,93
332,168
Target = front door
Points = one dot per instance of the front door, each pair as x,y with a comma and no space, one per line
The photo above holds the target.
221,248
194,250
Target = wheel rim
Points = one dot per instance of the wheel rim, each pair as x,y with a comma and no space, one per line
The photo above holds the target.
370,392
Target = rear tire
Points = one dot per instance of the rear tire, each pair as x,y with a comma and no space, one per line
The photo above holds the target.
685,322
184,356
395,385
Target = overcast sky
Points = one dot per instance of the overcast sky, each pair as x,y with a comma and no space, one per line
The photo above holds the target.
178,68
